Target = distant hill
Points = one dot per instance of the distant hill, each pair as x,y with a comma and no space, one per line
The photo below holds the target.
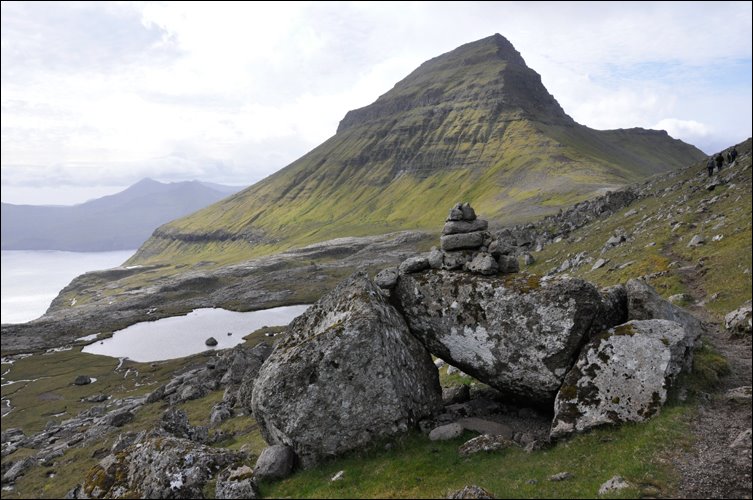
117,222
475,124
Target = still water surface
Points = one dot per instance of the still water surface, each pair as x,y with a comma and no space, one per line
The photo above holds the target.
180,336
32,278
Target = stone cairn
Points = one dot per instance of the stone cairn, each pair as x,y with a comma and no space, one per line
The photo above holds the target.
465,245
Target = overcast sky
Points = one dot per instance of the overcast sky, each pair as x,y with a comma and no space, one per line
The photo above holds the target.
96,96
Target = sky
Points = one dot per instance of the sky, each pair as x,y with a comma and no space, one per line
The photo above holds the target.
96,96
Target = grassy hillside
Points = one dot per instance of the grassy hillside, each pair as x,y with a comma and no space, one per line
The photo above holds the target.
473,124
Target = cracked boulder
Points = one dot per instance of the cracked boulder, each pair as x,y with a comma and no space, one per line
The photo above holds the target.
517,334
348,373
622,375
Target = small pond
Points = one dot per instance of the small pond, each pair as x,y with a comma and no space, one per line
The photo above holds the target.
180,336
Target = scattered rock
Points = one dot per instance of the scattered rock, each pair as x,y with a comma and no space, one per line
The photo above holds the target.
599,263
387,278
622,376
348,359
740,395
528,259
275,462
743,440
738,322
470,492
485,443
119,419
97,398
696,241
82,380
211,342
617,483
446,432
561,476
236,483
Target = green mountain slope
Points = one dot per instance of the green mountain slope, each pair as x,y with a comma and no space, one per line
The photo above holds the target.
473,124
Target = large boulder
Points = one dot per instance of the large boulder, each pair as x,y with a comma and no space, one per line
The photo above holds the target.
520,336
622,375
349,372
645,303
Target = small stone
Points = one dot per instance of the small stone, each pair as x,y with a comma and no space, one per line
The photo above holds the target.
456,394
456,260
275,462
436,258
528,259
456,213
630,213
508,264
439,363
561,476
485,443
599,263
446,432
615,484
740,395
211,342
82,380
468,213
338,476
743,440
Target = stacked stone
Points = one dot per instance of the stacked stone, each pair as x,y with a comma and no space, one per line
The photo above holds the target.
465,244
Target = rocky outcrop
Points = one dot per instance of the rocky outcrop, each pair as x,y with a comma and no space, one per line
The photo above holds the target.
519,336
645,303
158,467
236,483
347,373
622,376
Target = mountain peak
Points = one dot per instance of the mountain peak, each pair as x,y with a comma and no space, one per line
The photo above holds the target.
488,78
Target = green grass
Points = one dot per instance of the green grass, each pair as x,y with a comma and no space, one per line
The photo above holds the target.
414,467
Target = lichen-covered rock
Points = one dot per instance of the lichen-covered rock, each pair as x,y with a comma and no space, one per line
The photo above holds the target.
456,260
738,322
348,372
645,303
519,336
445,432
160,467
622,375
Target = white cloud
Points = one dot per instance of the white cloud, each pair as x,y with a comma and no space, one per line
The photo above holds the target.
106,93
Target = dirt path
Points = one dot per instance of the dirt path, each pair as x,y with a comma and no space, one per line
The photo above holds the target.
711,468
